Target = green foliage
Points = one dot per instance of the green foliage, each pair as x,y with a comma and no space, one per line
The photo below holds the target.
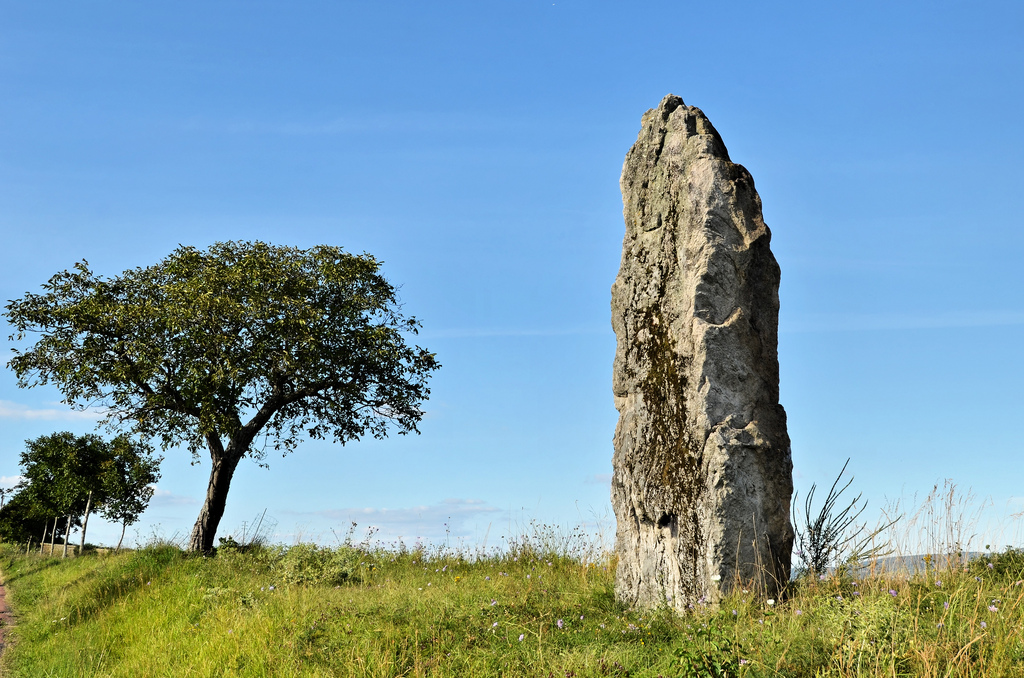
127,481
309,340
60,471
312,565
21,520
214,348
709,653
64,472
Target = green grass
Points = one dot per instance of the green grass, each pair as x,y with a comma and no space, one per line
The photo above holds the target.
159,612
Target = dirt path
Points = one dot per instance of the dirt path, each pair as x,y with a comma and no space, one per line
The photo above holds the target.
6,618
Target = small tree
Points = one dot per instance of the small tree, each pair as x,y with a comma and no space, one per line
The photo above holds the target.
128,482
63,474
21,519
215,348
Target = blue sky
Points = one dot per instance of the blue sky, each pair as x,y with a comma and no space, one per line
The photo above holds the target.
475,147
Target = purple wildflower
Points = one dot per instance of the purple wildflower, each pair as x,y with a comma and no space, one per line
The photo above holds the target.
892,593
559,623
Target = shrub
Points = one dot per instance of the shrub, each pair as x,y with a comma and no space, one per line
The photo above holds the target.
309,564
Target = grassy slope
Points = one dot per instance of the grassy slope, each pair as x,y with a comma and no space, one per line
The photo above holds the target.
156,612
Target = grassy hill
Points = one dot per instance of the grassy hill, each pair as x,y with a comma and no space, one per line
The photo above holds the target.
535,611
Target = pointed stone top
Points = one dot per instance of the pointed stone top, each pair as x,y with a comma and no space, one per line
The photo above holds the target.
670,103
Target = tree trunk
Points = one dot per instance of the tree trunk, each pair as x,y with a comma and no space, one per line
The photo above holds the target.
42,542
67,533
223,467
85,523
124,526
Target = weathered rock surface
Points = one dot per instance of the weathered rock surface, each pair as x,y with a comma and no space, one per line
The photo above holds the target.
702,470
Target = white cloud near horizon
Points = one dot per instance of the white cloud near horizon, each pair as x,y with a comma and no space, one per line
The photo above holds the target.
168,498
413,522
10,481
13,410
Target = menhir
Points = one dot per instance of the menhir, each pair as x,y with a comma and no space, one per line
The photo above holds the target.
702,469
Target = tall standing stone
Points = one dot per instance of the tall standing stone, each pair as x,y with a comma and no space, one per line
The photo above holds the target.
702,470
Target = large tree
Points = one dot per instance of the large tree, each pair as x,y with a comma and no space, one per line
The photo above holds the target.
213,349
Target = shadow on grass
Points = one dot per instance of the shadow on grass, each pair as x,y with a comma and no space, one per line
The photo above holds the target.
96,590
19,573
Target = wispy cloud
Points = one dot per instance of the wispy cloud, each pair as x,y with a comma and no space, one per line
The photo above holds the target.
168,498
417,521
867,322
599,479
12,410
10,481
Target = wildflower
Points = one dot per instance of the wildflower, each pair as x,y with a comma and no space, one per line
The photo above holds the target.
977,579
770,601
892,593
856,593
429,583
521,636
493,602
744,661
602,626
734,613
270,588
716,577
945,605
559,623
990,566
746,591
494,625
527,576
487,579
799,612
993,608
938,583
839,598
984,625
821,577
581,617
